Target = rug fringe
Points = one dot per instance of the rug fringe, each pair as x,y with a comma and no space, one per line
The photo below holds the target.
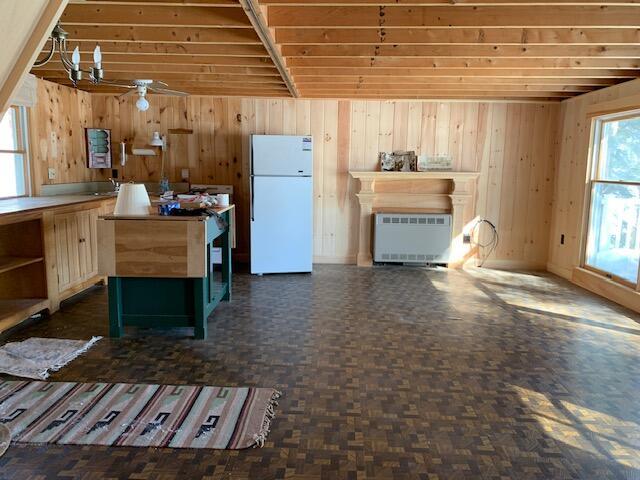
76,354
269,415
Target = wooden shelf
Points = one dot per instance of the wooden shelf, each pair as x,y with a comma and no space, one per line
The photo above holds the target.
434,175
11,263
14,311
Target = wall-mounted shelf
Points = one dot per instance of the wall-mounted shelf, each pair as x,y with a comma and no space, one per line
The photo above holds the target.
144,152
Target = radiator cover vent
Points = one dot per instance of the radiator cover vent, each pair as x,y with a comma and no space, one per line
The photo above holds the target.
412,238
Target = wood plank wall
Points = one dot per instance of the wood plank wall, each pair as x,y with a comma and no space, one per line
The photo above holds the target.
512,144
56,127
571,174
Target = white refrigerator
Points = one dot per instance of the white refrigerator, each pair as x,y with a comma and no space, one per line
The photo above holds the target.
281,204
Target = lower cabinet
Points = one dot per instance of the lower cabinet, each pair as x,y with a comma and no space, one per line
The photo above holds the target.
76,247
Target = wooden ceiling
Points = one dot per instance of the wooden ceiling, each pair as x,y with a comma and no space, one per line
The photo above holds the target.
400,49
200,46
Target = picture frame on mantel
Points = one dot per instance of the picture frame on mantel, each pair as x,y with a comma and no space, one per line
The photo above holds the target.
98,142
435,163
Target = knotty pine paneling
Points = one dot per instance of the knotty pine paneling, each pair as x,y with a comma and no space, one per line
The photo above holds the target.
571,174
512,144
57,138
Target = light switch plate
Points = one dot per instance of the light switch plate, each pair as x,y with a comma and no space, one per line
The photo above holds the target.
52,173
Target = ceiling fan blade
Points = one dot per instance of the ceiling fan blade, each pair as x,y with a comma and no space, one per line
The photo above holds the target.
121,83
158,84
166,91
130,92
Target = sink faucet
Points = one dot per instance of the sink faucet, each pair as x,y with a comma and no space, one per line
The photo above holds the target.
115,183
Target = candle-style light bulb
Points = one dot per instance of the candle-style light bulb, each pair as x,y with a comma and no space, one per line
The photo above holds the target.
97,56
75,58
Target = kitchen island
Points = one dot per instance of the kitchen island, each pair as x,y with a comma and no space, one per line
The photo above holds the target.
161,270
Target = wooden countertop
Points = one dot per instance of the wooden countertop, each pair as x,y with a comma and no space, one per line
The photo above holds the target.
155,216
28,204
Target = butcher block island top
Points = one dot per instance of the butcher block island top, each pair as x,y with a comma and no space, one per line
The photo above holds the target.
162,269
155,216
157,245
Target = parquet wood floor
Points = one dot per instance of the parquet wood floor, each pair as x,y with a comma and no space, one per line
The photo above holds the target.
387,373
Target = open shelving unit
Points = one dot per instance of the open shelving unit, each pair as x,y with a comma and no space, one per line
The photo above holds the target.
23,287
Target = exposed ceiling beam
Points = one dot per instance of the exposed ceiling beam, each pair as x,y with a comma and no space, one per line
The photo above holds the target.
460,16
461,51
174,49
87,13
451,3
160,68
465,72
433,92
175,3
259,22
204,79
109,59
391,80
458,36
439,62
434,98
173,34
523,87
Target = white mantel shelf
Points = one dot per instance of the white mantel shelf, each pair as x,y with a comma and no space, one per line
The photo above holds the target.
427,191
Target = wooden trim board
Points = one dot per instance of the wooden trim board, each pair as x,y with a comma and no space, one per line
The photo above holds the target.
606,288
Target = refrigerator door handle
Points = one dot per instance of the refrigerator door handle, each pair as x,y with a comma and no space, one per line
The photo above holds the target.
252,197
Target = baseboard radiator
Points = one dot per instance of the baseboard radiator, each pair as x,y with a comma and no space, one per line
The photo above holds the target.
412,238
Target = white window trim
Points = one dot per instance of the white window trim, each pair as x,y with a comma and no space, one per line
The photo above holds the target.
595,139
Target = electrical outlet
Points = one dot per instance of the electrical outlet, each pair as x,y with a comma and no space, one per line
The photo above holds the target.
466,238
52,173
184,174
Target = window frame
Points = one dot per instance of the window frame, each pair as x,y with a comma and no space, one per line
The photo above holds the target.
593,174
22,134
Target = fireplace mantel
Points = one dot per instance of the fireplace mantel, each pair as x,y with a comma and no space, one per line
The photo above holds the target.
449,192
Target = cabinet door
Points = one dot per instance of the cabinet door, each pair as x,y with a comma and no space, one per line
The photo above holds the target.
87,224
67,250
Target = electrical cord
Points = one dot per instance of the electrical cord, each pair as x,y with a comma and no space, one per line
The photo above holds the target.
485,250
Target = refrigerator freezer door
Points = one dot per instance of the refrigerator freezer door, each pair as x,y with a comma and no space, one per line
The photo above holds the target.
282,155
282,224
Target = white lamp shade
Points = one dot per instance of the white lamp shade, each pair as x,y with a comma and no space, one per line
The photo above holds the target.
133,199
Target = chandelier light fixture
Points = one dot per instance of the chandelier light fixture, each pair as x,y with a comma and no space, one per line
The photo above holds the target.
58,40
95,74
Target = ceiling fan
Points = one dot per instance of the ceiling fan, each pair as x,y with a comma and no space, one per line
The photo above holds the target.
142,87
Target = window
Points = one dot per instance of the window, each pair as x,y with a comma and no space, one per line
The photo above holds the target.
613,240
13,153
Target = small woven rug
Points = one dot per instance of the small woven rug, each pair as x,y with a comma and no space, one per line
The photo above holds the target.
36,357
139,415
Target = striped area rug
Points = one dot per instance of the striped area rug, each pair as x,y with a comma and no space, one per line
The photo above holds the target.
139,415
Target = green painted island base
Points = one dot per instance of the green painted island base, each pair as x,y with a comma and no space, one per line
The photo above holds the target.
163,303
141,297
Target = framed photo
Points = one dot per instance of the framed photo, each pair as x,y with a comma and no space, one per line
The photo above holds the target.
434,163
98,147
398,161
